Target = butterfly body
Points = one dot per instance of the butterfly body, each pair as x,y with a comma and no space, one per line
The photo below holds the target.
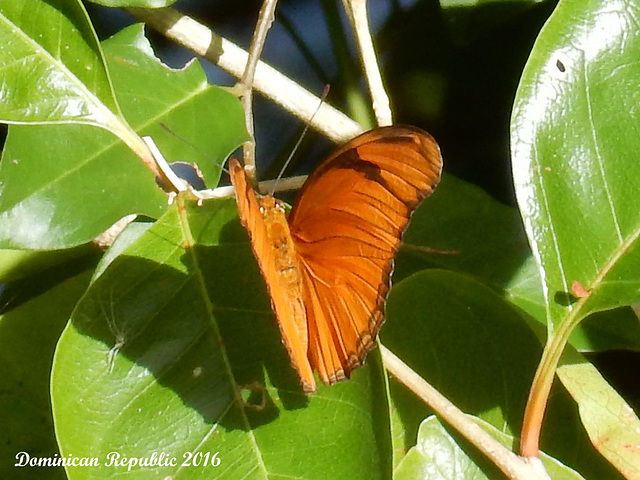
286,287
328,266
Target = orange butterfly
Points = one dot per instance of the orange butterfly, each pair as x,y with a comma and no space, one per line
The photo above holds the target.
328,267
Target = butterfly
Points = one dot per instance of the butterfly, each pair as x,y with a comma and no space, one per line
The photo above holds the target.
328,265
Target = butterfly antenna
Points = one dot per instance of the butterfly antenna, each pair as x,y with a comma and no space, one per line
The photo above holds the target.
325,92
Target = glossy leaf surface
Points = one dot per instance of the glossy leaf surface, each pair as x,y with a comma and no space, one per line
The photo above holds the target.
168,351
52,66
65,184
574,138
574,141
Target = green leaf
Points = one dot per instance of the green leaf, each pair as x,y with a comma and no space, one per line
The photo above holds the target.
454,320
479,352
462,228
205,123
574,138
65,184
16,264
130,234
439,456
28,335
611,423
467,231
168,352
71,191
52,66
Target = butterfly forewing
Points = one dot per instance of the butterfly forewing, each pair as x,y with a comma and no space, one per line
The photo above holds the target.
346,225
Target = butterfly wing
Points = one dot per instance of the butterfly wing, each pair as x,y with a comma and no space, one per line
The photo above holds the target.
347,225
264,219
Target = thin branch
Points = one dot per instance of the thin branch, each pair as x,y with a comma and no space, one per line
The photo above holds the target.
179,185
357,13
265,20
513,466
357,102
283,91
282,185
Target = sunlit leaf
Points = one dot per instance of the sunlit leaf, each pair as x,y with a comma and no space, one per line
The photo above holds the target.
439,456
189,119
174,349
65,184
52,66
574,137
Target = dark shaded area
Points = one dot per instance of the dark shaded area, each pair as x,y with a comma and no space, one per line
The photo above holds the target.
455,72
27,343
620,368
63,265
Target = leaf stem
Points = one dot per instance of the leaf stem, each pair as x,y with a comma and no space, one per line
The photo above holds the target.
542,383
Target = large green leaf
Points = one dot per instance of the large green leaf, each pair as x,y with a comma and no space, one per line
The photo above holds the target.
28,336
574,139
189,119
52,66
167,351
65,184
